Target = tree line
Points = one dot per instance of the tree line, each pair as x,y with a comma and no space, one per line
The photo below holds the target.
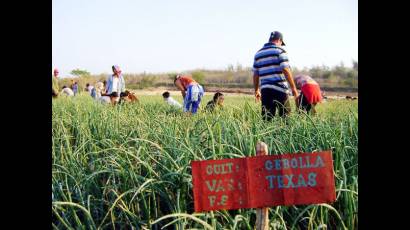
338,76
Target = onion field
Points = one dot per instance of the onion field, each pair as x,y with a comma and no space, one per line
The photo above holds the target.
128,166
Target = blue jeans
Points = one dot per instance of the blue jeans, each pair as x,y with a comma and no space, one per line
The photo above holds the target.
193,97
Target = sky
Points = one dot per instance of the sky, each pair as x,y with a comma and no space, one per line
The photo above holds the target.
159,36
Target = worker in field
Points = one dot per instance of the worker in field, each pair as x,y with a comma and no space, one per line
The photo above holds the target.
67,91
191,91
310,93
115,87
97,93
88,88
128,97
272,77
171,101
55,88
217,102
104,91
74,87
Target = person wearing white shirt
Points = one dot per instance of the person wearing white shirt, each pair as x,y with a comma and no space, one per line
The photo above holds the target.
67,91
96,93
115,85
171,101
88,88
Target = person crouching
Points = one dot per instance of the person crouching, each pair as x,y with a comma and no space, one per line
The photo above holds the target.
171,101
97,93
217,101
67,91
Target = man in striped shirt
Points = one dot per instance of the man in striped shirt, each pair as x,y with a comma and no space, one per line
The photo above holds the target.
271,75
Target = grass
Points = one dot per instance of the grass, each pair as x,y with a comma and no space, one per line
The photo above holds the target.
128,167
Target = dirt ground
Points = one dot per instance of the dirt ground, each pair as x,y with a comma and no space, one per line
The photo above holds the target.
232,91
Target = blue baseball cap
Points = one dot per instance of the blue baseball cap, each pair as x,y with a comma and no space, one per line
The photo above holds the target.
276,35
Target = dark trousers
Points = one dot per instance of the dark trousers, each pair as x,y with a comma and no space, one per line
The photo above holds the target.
305,105
115,94
272,100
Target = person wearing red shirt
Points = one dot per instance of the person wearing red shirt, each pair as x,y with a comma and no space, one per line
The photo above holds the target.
310,93
191,91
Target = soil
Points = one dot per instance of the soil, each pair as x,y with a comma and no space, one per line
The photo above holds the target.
234,91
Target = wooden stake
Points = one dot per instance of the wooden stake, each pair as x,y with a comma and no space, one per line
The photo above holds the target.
262,214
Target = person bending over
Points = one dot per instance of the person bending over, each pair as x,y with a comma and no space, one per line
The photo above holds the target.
67,91
191,91
310,93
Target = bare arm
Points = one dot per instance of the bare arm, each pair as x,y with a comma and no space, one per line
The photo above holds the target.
256,85
289,77
179,85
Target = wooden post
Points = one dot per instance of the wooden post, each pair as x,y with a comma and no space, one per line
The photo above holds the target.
262,214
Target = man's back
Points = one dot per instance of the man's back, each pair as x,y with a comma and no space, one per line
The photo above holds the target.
269,63
173,102
187,80
68,92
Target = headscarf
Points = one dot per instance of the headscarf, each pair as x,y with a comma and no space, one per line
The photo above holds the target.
177,77
116,69
301,80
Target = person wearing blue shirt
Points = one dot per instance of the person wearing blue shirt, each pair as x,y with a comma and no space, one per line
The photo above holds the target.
74,87
272,77
115,85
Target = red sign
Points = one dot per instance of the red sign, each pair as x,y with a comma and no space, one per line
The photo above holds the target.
263,181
